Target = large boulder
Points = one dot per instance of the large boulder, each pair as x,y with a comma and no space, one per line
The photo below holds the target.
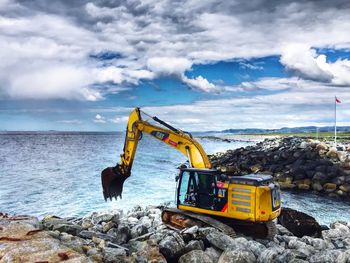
299,223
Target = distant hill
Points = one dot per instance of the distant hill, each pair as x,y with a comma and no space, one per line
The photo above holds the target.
288,130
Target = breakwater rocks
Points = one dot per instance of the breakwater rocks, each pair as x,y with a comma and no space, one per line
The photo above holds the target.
294,163
140,236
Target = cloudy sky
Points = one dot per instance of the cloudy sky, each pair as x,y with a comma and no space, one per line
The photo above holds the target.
200,65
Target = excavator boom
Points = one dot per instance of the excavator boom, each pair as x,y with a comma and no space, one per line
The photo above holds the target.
113,177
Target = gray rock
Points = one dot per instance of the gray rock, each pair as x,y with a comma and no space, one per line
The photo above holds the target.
287,239
239,243
53,221
132,220
220,240
107,226
122,234
87,234
172,246
97,228
213,253
298,260
334,233
296,244
237,256
161,234
347,242
204,231
192,230
30,220
341,225
255,247
306,251
92,251
138,230
317,243
68,228
344,257
286,256
281,230
338,243
268,255
148,251
194,245
146,221
73,242
91,234
111,255
329,256
99,218
86,223
195,256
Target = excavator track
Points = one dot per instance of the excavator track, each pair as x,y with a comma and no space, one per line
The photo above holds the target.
180,219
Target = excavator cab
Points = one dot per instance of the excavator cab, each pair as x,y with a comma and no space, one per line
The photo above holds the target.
201,188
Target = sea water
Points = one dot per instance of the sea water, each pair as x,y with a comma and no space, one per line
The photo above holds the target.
58,173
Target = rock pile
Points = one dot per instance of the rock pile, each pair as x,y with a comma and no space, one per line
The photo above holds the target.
295,163
140,236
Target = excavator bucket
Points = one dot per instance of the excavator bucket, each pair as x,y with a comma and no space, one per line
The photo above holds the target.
112,182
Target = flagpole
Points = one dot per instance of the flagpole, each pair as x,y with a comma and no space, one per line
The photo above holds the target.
335,121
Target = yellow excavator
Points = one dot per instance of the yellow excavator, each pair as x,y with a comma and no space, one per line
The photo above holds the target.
246,203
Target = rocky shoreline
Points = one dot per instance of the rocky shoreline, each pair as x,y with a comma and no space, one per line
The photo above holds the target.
295,163
140,236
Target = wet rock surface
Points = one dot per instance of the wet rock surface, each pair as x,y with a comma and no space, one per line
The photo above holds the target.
295,163
26,239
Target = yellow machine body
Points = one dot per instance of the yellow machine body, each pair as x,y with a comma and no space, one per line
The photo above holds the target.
254,204
252,198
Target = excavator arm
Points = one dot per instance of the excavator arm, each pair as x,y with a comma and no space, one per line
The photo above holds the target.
113,177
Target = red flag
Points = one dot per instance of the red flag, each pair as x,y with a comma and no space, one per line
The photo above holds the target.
337,100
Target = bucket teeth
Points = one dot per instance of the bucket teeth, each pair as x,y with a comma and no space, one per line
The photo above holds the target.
112,182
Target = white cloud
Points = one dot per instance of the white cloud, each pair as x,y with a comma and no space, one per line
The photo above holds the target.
308,64
56,81
120,119
169,65
160,38
200,83
99,119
